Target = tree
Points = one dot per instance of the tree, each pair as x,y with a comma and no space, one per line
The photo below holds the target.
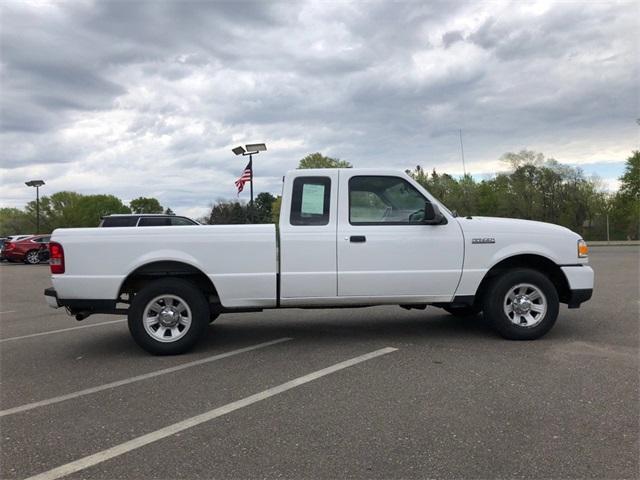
630,180
225,212
523,157
94,207
540,188
14,221
275,210
228,212
145,205
72,209
262,206
168,211
317,160
625,210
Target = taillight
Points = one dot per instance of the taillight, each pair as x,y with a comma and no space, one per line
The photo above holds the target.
9,246
56,257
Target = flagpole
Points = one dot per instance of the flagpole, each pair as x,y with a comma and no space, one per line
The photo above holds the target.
251,180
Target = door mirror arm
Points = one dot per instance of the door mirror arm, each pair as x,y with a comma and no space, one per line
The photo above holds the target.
432,215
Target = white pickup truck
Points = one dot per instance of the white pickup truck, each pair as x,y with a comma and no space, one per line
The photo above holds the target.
346,238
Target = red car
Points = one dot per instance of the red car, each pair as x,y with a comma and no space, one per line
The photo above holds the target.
33,249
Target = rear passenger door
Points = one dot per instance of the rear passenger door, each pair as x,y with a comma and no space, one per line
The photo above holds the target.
308,236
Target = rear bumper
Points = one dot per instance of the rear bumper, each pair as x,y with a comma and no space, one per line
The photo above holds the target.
51,297
80,305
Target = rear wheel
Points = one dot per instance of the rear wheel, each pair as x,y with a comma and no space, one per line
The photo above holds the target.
32,257
522,304
168,316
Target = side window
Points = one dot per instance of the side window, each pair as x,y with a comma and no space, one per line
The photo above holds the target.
384,200
181,221
119,221
154,222
310,201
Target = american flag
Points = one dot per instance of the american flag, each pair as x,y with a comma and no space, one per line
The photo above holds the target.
244,178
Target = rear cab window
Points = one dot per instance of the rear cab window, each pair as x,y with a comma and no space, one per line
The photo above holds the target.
310,200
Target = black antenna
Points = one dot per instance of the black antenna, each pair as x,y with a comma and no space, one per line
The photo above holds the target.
464,168
464,178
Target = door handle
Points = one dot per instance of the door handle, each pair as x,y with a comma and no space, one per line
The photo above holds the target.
357,239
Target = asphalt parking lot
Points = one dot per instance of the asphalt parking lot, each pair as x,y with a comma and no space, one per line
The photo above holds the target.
359,393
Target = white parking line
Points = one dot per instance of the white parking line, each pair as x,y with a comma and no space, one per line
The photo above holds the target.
143,440
138,378
61,330
8,311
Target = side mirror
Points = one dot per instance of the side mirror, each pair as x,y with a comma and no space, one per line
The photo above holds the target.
432,215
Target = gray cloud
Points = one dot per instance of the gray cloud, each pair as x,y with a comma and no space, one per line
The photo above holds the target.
146,98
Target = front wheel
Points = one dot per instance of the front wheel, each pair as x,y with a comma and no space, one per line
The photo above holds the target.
522,304
168,316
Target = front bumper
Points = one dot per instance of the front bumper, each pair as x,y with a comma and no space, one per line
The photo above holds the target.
580,279
576,297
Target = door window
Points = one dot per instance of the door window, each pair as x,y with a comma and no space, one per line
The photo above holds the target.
310,201
384,200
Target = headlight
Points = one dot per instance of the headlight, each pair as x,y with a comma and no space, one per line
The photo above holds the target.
583,249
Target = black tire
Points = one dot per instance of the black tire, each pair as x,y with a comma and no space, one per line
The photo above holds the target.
463,311
186,292
496,298
32,257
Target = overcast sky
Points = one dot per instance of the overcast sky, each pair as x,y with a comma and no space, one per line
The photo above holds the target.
147,98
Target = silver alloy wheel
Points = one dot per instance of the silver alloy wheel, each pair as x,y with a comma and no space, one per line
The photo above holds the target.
33,257
525,305
167,318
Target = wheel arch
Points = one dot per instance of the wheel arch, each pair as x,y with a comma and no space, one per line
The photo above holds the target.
153,270
536,262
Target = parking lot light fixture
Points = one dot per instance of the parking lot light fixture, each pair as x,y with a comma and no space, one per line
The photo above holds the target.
37,184
256,147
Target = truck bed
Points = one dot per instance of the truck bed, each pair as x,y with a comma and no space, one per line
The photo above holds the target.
241,260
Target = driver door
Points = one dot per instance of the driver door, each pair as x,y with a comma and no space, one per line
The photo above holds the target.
384,251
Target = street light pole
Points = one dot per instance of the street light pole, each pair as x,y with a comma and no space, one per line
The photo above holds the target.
250,150
37,209
251,215
37,184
